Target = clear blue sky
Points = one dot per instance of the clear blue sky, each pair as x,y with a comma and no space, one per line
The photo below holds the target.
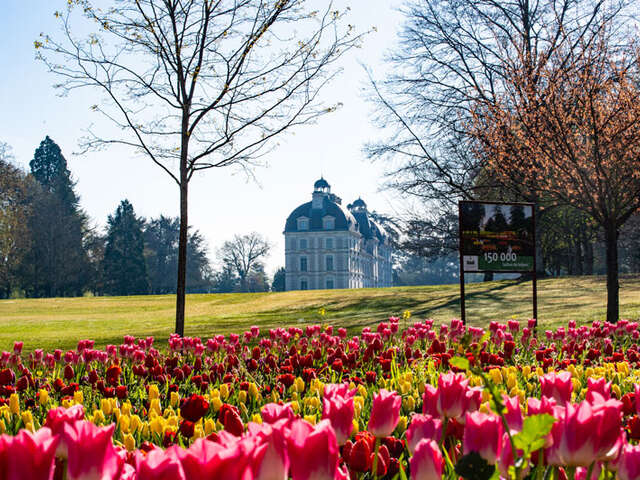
222,202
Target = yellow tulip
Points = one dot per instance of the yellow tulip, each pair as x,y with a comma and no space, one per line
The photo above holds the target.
43,397
174,399
153,392
311,419
78,397
496,376
209,426
242,396
216,403
224,391
136,423
256,418
3,427
105,406
129,443
14,404
402,424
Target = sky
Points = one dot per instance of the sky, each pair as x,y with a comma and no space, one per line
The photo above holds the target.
223,202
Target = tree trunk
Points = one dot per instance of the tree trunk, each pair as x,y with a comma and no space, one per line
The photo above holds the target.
184,227
182,260
613,287
588,257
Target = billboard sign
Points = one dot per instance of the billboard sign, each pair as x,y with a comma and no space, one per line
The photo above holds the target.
497,237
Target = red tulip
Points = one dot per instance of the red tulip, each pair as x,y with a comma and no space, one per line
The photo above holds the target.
385,413
229,416
194,408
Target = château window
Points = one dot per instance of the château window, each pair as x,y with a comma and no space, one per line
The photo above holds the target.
329,263
329,283
303,244
328,243
303,264
304,285
328,223
303,224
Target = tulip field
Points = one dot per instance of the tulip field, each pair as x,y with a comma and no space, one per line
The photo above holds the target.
406,399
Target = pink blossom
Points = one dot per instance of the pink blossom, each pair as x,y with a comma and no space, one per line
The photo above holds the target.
628,463
423,427
91,452
29,455
313,451
426,462
159,465
483,434
557,386
338,408
385,413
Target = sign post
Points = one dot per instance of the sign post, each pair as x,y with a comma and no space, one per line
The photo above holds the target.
496,237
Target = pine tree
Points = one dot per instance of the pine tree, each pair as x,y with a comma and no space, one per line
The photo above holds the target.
124,267
57,263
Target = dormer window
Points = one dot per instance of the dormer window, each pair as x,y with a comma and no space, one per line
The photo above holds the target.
328,223
303,223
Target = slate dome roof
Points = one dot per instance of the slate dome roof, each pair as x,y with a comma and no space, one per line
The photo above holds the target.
343,219
322,183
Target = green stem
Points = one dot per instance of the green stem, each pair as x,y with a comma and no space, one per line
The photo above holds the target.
590,470
375,458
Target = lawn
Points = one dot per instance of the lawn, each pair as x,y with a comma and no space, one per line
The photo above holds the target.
60,322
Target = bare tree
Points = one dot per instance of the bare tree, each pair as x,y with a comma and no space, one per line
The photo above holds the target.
199,84
452,55
243,254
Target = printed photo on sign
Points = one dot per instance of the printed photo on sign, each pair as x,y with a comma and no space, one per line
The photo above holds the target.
499,236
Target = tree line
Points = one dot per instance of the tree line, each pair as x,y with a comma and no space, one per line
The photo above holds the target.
49,249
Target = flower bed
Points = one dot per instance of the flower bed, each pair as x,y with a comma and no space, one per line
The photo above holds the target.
411,401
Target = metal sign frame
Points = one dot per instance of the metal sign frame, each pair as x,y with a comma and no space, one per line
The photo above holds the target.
461,259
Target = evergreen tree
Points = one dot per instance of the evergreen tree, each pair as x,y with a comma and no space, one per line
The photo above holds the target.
279,284
161,237
123,266
57,263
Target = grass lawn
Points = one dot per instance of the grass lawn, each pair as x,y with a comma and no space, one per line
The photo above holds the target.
61,322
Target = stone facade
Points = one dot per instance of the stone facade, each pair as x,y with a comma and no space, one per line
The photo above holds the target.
329,246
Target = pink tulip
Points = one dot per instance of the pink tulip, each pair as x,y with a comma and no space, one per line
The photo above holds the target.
513,415
338,408
57,418
483,434
206,459
628,463
91,452
4,439
586,433
600,386
270,458
272,412
30,455
423,427
452,399
159,465
430,401
426,462
313,451
537,407
385,413
557,386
